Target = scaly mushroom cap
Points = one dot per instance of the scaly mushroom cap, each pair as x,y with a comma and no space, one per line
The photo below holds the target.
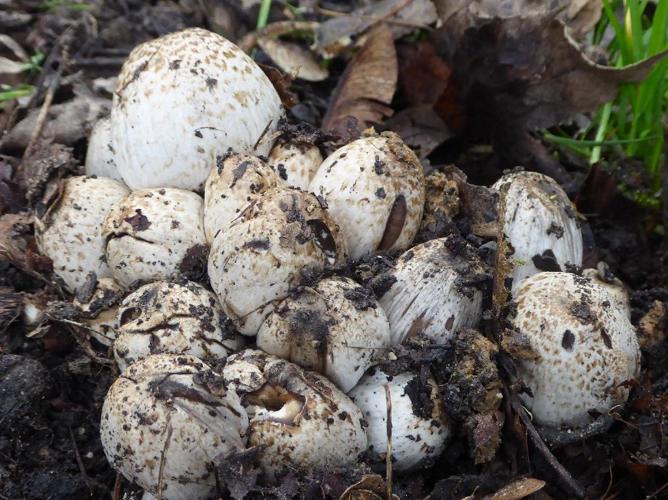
437,289
100,155
70,232
585,344
183,99
174,318
231,186
162,428
295,162
540,223
419,425
336,328
261,256
374,190
299,418
150,231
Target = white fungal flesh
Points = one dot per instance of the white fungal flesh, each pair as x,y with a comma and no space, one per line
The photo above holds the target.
149,232
295,162
299,419
162,428
100,155
236,181
419,433
541,225
262,255
174,318
438,291
374,190
335,328
70,233
586,347
182,100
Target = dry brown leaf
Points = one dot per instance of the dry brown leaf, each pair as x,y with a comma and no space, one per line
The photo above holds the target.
293,59
366,88
419,127
518,489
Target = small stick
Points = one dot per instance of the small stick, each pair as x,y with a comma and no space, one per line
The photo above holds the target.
117,488
77,455
41,117
388,456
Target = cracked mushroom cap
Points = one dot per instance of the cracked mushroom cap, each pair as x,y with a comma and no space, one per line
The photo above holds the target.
584,344
174,318
70,232
374,189
419,425
299,418
149,232
336,328
100,310
100,155
236,181
296,162
540,223
162,426
256,261
436,289
181,100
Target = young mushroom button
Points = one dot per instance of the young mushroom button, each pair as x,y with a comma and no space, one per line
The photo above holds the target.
100,155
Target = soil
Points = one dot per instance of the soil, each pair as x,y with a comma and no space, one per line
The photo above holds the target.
52,389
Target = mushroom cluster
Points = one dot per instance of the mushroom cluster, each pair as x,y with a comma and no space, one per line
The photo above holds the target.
290,341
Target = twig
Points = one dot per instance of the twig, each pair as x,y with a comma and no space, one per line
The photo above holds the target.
116,495
43,114
163,459
388,452
77,455
540,445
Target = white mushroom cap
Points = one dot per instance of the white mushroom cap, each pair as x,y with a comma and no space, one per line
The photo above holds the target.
374,189
436,290
336,328
231,186
586,348
183,99
150,231
299,418
174,318
540,223
296,162
603,277
162,428
70,233
419,425
100,155
101,310
261,256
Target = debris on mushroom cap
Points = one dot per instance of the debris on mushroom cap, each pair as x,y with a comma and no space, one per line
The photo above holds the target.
70,232
540,224
336,328
585,344
149,232
603,277
296,162
233,183
419,426
437,289
164,317
299,418
100,310
374,189
183,99
262,255
162,427
100,155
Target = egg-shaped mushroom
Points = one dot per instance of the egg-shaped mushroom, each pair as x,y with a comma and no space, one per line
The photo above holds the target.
540,223
100,155
150,231
419,427
176,318
374,190
299,419
256,261
162,427
584,344
435,289
235,181
336,328
70,231
181,100
295,161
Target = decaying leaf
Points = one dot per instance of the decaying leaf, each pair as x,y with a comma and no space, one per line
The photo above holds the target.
518,489
47,162
17,245
423,74
293,59
366,87
282,83
420,127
